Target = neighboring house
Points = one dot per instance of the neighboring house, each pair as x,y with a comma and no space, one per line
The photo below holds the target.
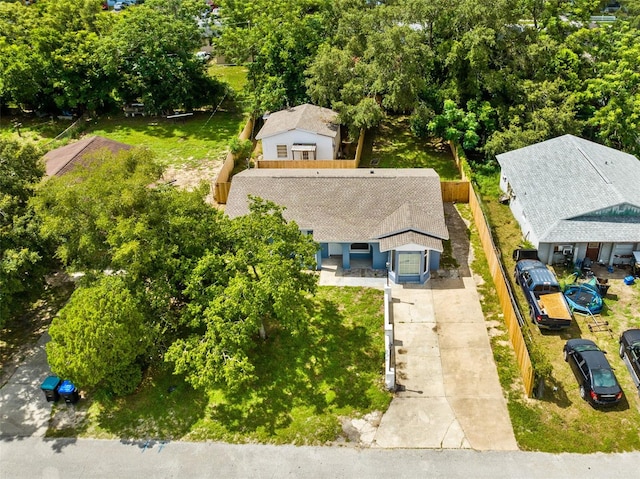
304,132
391,218
575,198
63,159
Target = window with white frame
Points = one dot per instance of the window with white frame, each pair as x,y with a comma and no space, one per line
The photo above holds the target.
360,247
409,263
281,151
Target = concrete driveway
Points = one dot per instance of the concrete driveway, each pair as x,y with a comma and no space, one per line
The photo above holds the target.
24,411
449,394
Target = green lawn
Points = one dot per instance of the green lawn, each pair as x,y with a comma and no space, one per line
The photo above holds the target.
201,138
234,75
560,421
184,143
393,145
307,382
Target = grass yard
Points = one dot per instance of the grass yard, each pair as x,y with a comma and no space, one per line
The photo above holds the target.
560,421
186,143
308,382
393,145
234,75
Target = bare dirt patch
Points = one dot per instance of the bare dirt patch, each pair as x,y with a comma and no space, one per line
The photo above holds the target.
190,177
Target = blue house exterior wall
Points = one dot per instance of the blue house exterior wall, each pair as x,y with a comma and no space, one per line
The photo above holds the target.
378,259
434,260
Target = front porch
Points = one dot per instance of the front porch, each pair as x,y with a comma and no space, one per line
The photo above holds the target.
361,273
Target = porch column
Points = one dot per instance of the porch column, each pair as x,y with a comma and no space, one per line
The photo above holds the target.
346,260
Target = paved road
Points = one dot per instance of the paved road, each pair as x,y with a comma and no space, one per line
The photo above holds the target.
83,459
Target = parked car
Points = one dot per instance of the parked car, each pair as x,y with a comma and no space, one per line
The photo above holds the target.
119,6
630,353
598,383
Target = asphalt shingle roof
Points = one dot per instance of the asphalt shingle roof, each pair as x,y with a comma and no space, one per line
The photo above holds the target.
564,182
307,117
63,159
349,205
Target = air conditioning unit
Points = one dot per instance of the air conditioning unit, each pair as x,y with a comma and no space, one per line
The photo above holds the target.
567,250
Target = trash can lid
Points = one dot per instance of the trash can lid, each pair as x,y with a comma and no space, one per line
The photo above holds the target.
66,387
50,384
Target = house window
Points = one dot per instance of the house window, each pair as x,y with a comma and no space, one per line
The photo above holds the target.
360,247
282,151
305,155
409,263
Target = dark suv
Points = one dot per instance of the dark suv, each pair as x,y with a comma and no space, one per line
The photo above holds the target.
630,353
598,384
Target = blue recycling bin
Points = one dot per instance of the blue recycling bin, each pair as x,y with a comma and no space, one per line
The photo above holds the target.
68,392
50,388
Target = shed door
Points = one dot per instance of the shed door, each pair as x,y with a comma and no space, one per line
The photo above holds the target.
593,249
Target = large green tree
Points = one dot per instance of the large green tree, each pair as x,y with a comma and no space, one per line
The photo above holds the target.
148,55
117,214
22,252
99,339
612,95
277,40
258,287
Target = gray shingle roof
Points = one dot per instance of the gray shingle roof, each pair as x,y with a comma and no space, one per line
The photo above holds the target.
561,182
311,118
389,243
348,205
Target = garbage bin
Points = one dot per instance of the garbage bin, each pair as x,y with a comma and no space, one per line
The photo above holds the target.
50,388
68,392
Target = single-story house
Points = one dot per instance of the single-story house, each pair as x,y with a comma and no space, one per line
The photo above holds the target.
391,218
304,132
575,199
63,159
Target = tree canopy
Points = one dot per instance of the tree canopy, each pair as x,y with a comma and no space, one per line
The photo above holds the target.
100,337
542,68
201,287
71,55
22,252
260,284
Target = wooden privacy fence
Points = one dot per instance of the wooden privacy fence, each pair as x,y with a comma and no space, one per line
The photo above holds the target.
500,282
223,180
455,191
